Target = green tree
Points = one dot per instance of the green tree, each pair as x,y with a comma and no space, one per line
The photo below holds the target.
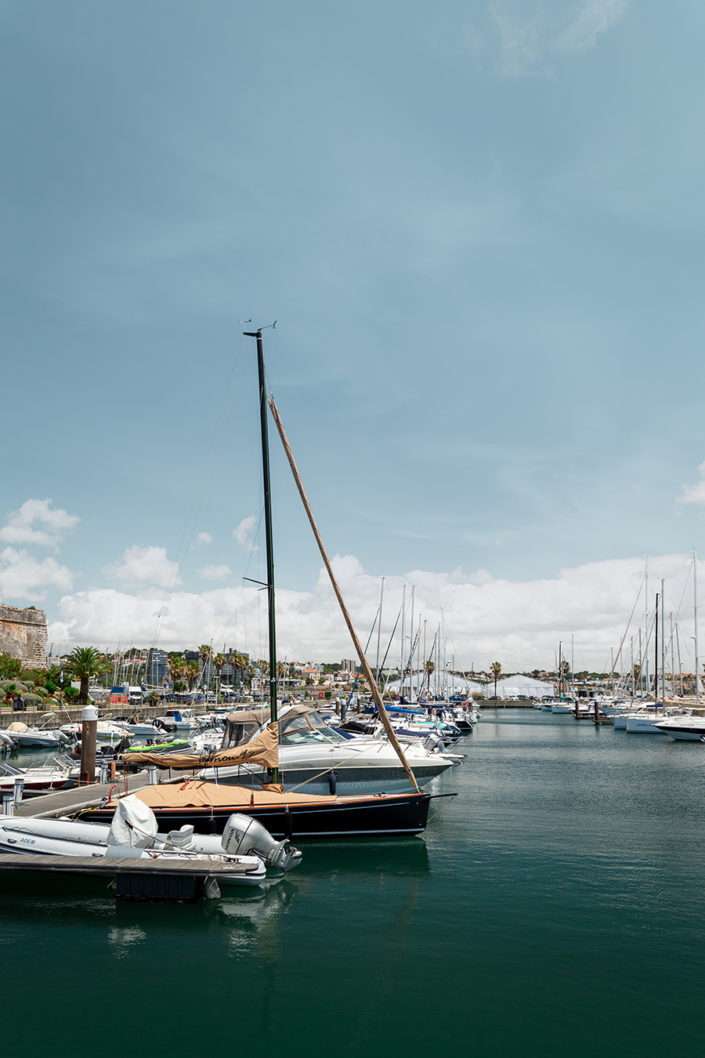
219,662
82,663
10,668
192,673
204,653
496,672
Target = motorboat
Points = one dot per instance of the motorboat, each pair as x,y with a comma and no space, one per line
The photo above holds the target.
58,774
245,846
140,728
315,757
182,721
108,732
682,728
8,741
36,737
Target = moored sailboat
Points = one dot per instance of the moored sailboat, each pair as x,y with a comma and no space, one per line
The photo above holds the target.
207,805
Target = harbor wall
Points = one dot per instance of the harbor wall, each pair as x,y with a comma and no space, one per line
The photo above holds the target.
23,635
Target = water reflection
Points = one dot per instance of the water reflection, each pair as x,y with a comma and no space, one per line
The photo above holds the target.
122,938
401,857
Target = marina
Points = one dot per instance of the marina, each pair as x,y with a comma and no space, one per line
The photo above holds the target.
555,882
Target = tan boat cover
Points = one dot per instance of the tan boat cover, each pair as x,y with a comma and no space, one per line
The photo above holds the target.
262,750
261,715
197,793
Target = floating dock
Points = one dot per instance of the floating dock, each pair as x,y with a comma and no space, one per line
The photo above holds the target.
182,881
66,802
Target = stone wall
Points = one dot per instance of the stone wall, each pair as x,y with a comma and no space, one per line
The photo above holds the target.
23,635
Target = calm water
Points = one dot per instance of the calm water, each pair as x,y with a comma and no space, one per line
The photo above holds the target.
555,907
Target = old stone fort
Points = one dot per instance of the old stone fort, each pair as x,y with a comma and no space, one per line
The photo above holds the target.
23,635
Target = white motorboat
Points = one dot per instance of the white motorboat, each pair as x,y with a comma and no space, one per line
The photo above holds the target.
8,741
320,760
682,728
181,720
60,773
140,728
245,845
108,732
36,737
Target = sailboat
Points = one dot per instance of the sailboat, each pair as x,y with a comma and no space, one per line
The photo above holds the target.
206,805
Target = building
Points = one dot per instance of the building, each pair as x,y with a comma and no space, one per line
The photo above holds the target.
23,635
157,670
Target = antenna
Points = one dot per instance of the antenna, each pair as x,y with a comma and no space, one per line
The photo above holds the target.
253,334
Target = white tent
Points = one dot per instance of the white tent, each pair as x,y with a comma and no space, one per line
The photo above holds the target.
442,683
519,687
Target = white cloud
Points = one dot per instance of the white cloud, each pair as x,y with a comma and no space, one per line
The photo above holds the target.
145,566
594,18
23,577
520,46
695,493
215,572
525,40
243,533
54,522
518,623
203,538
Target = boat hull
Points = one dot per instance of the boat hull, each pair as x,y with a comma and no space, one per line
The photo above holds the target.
401,814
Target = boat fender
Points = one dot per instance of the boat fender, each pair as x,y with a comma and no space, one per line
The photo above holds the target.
332,782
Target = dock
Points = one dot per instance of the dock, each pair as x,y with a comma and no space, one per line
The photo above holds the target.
183,881
66,802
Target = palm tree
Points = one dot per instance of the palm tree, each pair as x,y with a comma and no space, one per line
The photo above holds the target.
192,670
219,661
204,653
84,662
429,668
176,666
496,670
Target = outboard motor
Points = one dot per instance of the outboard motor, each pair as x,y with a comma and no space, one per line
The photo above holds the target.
134,825
243,836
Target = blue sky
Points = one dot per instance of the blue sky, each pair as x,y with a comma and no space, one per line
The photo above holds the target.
480,231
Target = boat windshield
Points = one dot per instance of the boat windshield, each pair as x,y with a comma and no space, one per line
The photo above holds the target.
306,729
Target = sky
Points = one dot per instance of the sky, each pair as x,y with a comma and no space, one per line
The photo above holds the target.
479,229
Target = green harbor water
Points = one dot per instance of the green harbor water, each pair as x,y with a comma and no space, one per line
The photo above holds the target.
554,907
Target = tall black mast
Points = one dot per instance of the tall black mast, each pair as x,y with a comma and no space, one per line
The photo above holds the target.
267,530
656,659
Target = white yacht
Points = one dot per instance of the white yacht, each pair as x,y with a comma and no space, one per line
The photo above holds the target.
321,760
36,737
682,728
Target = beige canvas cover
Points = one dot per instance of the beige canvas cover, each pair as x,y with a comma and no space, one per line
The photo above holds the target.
261,715
262,750
197,793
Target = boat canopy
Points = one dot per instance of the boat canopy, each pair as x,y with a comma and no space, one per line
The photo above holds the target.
242,724
262,750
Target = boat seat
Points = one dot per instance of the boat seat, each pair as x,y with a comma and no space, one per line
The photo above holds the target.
180,839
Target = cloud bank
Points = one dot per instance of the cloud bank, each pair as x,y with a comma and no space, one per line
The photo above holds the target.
478,620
